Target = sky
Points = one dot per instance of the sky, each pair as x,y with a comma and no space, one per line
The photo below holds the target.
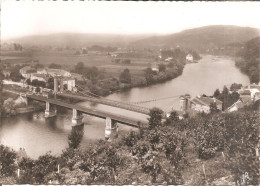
28,17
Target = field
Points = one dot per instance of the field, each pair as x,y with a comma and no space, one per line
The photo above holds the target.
68,60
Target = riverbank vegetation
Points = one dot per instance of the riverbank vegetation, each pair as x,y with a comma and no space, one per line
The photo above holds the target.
206,149
249,59
102,83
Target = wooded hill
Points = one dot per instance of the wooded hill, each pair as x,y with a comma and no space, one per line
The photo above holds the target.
202,39
249,59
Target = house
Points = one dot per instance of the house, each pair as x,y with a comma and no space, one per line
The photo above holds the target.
155,70
39,77
189,58
70,82
249,90
257,96
168,59
27,71
240,103
61,72
202,104
42,71
54,72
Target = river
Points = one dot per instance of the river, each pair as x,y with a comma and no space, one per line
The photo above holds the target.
37,135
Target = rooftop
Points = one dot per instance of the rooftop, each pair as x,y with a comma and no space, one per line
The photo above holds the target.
205,100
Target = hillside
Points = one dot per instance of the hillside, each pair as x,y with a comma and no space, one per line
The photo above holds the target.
202,39
249,59
78,39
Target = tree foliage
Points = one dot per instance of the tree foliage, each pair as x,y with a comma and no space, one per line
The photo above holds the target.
249,62
125,76
7,162
75,137
155,119
54,66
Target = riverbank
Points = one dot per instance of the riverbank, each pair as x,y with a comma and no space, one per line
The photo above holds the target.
104,86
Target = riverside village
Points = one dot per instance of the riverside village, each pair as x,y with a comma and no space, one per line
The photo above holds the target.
135,107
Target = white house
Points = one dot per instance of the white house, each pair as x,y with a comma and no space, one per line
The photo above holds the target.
155,70
70,82
189,58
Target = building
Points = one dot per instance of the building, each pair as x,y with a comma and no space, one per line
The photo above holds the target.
155,70
70,82
240,103
39,77
168,59
202,104
27,71
249,90
189,58
59,72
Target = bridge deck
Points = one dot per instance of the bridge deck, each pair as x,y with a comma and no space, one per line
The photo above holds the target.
94,112
108,102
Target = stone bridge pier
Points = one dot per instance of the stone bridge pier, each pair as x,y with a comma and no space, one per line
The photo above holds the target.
111,130
76,118
50,112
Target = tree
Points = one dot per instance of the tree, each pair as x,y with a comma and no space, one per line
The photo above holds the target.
26,166
38,83
50,83
213,108
9,107
174,117
241,140
79,68
37,90
235,86
125,76
162,67
54,66
75,138
126,61
155,119
216,94
16,76
44,166
149,76
7,161
28,81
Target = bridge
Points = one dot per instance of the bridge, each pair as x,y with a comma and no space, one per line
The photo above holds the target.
111,119
78,110
113,103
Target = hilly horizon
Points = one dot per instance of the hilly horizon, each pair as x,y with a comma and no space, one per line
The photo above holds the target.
202,38
78,39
